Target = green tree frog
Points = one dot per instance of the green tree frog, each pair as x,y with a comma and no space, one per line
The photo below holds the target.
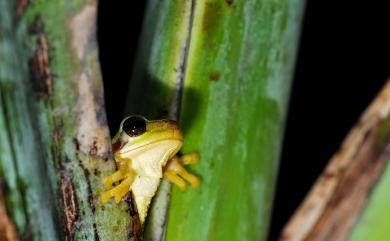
144,151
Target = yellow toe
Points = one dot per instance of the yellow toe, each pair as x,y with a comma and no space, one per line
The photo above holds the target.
190,158
175,179
105,196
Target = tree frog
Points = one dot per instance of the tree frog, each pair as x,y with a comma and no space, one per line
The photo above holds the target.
144,151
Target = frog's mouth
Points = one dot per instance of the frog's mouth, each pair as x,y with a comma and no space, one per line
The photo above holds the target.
156,132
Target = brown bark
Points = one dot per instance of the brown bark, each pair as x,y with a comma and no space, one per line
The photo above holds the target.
7,227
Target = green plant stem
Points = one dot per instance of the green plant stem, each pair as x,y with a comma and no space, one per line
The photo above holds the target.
55,145
225,67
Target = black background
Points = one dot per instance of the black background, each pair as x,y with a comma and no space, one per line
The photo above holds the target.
343,61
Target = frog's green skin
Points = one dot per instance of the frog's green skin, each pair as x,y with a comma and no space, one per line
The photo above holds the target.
142,149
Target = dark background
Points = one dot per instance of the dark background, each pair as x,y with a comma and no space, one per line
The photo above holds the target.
343,60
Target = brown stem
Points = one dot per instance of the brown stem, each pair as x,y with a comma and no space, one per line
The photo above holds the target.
7,227
339,196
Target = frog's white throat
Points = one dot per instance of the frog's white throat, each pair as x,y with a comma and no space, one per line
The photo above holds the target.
148,165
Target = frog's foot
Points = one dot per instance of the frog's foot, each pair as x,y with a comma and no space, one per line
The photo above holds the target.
189,159
117,176
120,190
177,174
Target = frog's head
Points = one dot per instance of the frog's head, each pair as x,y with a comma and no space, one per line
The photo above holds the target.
158,139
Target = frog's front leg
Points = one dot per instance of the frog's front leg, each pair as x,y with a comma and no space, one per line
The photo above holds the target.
124,174
177,174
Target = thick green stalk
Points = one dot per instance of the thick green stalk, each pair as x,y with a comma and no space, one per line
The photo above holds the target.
55,145
226,68
21,168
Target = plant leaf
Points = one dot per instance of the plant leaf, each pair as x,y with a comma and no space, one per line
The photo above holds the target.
228,64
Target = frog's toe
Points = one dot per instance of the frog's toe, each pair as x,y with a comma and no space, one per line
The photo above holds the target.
123,189
109,180
190,158
105,197
175,179
119,191
178,175
118,197
193,180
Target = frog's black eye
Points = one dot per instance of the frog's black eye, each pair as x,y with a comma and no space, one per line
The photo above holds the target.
134,126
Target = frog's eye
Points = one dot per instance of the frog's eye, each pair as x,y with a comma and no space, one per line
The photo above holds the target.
134,126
